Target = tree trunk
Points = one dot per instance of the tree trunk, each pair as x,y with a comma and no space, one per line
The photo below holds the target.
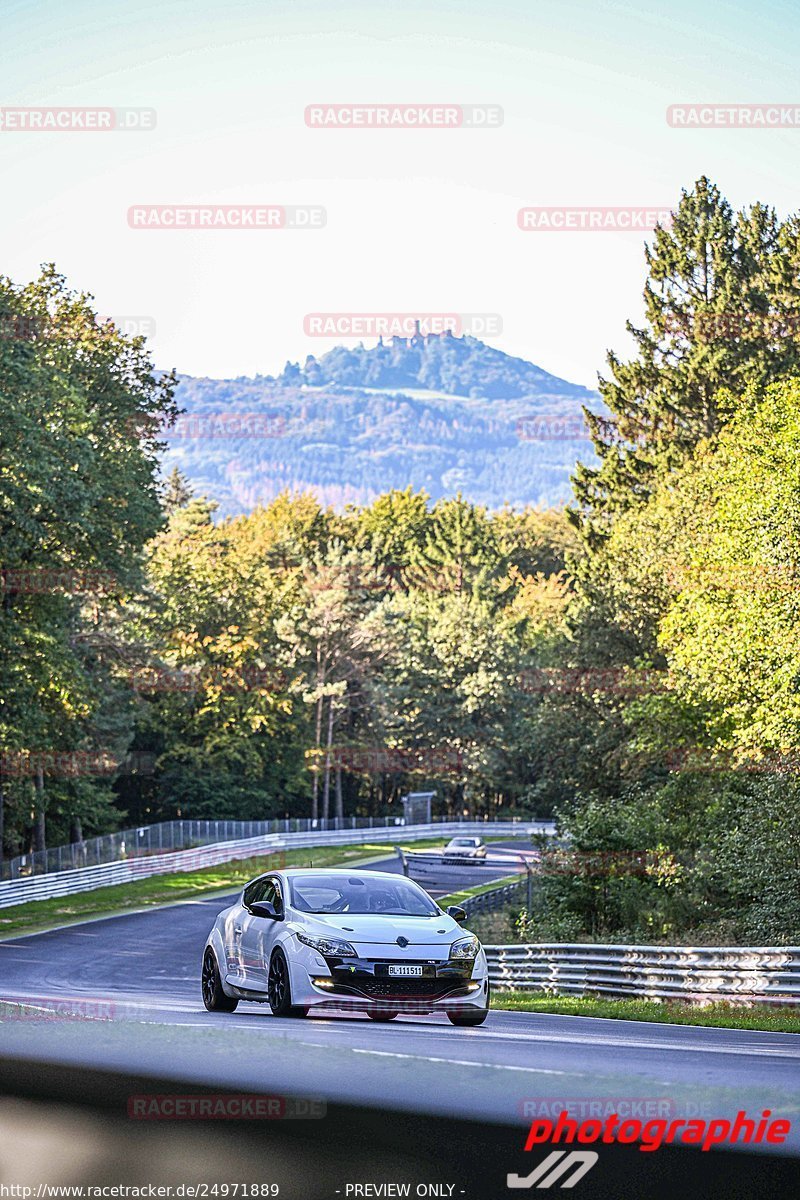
326,791
2,822
315,768
339,804
39,830
75,830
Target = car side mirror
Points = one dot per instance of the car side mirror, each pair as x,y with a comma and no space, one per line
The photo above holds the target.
266,909
457,913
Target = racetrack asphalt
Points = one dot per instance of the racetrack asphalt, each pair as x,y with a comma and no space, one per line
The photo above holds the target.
124,992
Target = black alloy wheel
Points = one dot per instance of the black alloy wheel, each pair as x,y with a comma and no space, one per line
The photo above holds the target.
279,990
214,998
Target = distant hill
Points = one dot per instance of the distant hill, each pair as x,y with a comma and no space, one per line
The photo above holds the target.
456,366
442,413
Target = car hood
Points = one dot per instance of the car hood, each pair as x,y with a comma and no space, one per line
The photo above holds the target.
383,931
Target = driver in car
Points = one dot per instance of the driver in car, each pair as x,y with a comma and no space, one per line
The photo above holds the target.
381,902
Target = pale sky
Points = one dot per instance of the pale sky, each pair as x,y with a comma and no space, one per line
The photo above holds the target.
416,220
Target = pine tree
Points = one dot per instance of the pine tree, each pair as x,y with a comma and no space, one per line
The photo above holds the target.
177,491
460,552
722,299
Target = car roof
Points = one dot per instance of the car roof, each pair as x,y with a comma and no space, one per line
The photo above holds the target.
289,872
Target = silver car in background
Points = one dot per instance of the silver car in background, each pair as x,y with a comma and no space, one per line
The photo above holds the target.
465,847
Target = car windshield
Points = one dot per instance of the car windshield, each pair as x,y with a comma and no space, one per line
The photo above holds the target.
464,842
353,894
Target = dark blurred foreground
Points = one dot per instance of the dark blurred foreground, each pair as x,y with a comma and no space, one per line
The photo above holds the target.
63,1126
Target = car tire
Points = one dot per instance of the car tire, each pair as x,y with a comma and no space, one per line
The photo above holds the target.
471,1018
214,998
381,1016
468,1018
279,988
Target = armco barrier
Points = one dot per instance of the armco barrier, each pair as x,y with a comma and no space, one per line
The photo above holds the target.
766,974
144,840
85,879
495,898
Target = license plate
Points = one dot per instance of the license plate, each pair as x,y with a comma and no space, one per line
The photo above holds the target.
405,970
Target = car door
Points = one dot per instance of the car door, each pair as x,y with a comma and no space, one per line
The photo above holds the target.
234,930
258,935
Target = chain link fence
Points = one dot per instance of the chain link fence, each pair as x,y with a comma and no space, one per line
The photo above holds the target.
145,841
165,837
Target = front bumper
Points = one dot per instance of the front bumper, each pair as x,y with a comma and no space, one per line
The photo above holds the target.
365,984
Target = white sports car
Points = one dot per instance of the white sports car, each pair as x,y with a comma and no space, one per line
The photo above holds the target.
465,847
354,941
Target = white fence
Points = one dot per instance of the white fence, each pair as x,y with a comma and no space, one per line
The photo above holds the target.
766,974
85,879
150,839
144,840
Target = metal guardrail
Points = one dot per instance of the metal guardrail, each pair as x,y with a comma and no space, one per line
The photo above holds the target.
767,974
496,898
83,879
418,864
141,840
173,835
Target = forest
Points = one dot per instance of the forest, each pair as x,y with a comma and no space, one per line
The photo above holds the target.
629,664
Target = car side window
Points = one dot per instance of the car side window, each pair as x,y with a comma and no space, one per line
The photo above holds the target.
277,899
255,891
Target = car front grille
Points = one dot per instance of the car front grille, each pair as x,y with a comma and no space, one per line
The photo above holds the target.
381,989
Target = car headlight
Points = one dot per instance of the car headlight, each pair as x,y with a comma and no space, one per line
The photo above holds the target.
329,947
467,947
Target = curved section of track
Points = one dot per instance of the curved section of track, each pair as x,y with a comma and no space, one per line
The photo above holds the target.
124,992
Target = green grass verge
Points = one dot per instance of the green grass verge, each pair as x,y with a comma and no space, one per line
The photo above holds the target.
677,1012
38,915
